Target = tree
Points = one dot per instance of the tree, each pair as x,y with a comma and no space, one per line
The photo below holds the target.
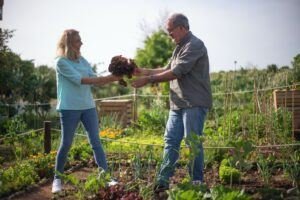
5,35
296,68
43,89
20,81
272,68
15,78
285,67
44,85
157,50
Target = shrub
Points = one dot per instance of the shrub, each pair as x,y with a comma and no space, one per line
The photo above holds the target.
154,120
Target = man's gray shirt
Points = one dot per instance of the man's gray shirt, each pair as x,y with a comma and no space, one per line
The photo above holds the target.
190,64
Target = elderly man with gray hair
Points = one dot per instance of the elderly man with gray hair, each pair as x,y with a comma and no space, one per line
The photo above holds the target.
190,97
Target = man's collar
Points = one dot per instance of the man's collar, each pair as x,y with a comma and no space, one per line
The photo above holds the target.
185,38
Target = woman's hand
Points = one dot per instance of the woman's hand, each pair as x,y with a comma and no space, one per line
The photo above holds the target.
116,78
101,80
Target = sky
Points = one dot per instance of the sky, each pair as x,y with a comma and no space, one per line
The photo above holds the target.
254,33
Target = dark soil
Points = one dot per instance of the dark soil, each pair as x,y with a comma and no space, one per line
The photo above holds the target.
251,183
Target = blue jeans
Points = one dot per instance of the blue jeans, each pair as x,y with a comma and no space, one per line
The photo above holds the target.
180,124
69,120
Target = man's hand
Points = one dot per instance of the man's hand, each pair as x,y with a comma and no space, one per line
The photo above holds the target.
140,82
138,71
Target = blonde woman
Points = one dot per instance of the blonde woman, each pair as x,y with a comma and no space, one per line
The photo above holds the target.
75,101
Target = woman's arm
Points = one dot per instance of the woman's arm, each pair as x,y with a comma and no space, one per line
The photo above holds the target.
101,80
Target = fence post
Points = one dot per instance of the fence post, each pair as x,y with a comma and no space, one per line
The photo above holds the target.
47,136
134,105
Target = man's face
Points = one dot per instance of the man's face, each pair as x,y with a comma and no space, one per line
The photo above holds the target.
175,32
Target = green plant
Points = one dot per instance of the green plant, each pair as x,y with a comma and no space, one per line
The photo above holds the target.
17,177
153,121
81,151
43,164
90,187
227,173
150,159
242,148
110,121
1,160
292,168
29,144
14,126
282,125
186,190
194,143
264,169
222,193
137,165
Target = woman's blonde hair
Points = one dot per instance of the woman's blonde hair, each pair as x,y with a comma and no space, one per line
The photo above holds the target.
64,46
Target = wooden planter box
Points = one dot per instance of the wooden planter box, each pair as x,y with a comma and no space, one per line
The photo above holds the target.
120,109
289,99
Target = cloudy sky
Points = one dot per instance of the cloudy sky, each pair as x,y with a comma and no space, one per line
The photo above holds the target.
254,33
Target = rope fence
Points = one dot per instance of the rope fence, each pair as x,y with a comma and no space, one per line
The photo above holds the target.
22,134
149,95
134,95
150,144
205,147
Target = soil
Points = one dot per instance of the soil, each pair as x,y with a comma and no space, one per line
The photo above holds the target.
251,182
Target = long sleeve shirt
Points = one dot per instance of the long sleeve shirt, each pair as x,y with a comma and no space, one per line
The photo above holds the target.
71,94
190,64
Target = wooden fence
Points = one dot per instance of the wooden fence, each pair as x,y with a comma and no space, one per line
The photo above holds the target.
289,99
121,109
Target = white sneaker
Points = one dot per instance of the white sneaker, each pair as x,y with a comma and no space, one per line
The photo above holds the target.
197,182
112,182
56,186
102,173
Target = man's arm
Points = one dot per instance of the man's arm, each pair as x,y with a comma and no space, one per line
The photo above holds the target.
146,72
165,75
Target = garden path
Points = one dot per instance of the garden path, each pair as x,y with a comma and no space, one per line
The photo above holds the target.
44,190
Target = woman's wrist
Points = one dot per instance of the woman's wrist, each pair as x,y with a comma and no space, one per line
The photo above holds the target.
117,78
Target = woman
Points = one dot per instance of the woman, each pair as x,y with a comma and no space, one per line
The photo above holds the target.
75,101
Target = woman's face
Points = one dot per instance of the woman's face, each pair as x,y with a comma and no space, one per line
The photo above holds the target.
76,43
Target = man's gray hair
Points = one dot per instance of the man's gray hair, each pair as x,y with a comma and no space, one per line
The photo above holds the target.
179,19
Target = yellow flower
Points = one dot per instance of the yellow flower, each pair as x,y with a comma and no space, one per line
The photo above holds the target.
53,152
110,133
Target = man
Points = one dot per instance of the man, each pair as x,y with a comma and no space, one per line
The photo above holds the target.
190,96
